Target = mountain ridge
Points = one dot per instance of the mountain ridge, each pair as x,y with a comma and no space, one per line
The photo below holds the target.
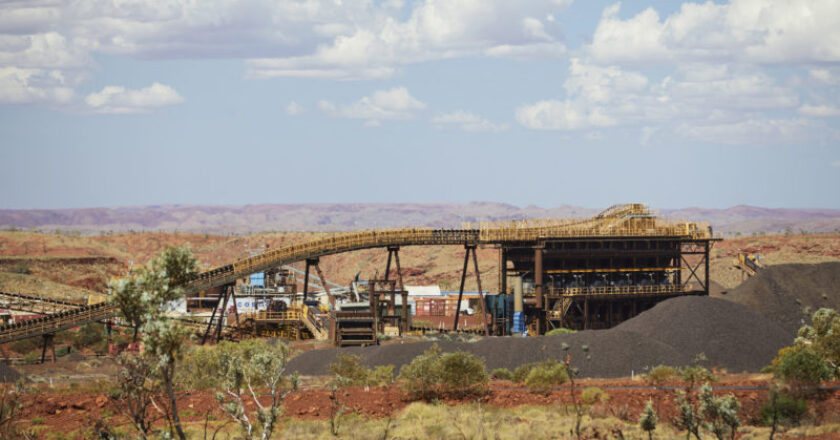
326,217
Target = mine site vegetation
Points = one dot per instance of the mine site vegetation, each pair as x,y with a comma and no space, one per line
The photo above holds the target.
620,325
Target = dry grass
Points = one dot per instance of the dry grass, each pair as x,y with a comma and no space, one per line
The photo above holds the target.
34,285
474,421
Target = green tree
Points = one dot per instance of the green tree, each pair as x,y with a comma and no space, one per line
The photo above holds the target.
782,409
824,336
127,295
89,335
143,300
720,414
687,415
243,368
801,367
648,419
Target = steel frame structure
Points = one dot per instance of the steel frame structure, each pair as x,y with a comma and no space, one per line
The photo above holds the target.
569,299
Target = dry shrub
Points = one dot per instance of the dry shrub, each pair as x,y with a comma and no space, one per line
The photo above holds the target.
545,375
660,374
592,395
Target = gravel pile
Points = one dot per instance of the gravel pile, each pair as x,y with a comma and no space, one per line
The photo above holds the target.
730,335
783,292
672,333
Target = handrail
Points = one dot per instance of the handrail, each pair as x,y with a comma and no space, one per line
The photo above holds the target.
616,290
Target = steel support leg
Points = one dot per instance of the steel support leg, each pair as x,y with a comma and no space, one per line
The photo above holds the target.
538,289
236,312
404,318
324,283
210,322
400,285
706,257
48,341
388,264
586,312
222,314
503,271
483,303
306,278
461,289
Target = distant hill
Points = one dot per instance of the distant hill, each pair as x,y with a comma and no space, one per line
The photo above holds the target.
342,217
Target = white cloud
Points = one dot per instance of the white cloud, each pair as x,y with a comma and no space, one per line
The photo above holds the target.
26,86
466,121
392,104
751,31
701,102
47,50
561,115
820,111
435,29
293,109
313,38
836,164
119,100
757,131
699,73
826,76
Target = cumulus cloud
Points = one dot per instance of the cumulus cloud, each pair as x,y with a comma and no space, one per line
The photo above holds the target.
820,111
704,103
26,85
119,100
562,115
314,38
826,76
293,109
701,73
392,104
435,29
759,31
466,121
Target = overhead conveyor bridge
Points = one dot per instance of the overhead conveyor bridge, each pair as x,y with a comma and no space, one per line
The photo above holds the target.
632,221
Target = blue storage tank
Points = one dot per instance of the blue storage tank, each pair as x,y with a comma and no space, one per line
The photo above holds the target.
500,306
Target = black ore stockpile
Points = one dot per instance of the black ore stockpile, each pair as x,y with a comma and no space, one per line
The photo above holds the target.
730,335
786,291
671,333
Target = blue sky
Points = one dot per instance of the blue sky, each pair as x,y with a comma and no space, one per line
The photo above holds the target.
115,103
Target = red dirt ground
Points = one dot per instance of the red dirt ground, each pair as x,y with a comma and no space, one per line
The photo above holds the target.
70,412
